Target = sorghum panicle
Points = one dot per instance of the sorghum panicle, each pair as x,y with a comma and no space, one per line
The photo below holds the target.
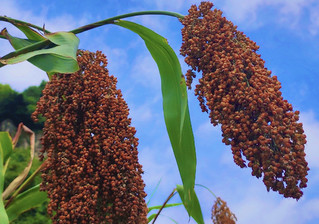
240,94
92,173
221,213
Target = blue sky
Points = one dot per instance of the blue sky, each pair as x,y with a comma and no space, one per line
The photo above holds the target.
287,32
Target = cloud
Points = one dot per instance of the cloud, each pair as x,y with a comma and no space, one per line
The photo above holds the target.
286,13
314,19
145,71
311,127
141,113
22,75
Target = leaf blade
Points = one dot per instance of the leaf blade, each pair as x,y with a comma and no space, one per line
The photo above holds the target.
58,55
5,152
175,107
19,179
29,199
166,206
196,211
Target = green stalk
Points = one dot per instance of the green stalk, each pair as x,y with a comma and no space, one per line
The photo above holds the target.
93,25
113,19
81,29
19,22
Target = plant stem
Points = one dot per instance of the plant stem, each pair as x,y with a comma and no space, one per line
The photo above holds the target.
19,22
163,206
113,19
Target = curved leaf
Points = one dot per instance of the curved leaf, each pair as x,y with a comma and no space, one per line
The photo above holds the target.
152,194
30,198
151,217
5,146
166,206
56,54
196,210
19,179
176,113
5,152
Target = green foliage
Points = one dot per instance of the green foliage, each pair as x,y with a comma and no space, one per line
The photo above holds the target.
30,198
6,92
53,53
19,160
36,215
18,107
12,106
5,152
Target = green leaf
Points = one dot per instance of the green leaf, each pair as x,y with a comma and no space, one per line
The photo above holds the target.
5,146
196,212
25,201
25,28
166,206
29,32
5,152
17,43
152,194
175,107
151,217
56,54
21,177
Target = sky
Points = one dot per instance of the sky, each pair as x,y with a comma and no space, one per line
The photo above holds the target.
287,32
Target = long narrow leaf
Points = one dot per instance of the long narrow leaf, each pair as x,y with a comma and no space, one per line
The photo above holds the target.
152,194
166,206
198,216
176,113
26,201
29,32
151,217
19,179
6,145
17,43
5,151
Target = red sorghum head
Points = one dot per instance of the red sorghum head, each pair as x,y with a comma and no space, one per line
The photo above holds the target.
221,213
92,173
240,94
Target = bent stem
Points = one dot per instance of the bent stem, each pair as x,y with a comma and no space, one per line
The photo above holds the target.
81,29
113,19
92,25
163,206
19,22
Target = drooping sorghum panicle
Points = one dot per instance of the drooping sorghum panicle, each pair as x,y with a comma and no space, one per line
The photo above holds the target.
221,213
92,173
240,94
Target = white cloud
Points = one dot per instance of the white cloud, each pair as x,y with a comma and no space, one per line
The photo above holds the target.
314,19
311,127
145,71
288,13
141,113
22,75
